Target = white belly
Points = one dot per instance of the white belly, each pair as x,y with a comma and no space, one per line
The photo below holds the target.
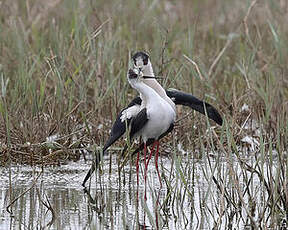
160,117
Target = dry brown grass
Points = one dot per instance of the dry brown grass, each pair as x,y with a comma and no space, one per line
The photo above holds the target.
66,66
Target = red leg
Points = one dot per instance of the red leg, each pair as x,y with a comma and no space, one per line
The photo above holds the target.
145,152
152,150
147,162
145,171
137,168
156,162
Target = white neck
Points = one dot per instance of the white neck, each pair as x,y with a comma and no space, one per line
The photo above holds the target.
154,84
148,70
147,93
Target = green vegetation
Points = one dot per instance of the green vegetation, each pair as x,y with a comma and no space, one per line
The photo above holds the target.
63,67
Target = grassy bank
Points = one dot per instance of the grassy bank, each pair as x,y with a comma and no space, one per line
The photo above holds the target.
63,80
63,69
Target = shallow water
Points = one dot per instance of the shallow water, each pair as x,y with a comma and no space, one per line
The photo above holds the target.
188,198
112,202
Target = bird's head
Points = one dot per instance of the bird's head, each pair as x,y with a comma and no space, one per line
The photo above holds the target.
136,75
141,61
142,65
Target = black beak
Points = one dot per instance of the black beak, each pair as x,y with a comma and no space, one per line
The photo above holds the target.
151,77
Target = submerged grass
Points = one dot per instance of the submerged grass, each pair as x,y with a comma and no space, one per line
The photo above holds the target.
63,80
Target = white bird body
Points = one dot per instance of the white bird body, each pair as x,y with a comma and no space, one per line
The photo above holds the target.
160,113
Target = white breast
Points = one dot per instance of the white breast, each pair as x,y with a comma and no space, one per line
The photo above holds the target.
160,113
160,117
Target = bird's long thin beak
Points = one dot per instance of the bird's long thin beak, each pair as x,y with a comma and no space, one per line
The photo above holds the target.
152,77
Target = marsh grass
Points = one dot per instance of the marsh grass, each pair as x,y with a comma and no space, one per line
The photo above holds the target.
63,80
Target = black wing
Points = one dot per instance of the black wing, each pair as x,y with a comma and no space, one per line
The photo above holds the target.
138,122
181,98
119,127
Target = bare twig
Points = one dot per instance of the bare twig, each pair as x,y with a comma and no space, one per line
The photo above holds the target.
230,38
228,42
23,193
246,18
195,64
185,116
244,123
48,206
97,31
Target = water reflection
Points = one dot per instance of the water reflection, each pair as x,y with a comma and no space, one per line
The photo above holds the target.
195,194
57,200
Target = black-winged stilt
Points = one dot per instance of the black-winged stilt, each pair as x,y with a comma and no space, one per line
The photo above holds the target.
141,61
155,117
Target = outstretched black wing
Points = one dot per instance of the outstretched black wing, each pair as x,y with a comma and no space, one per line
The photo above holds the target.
181,98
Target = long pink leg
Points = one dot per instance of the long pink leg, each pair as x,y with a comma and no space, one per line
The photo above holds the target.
146,164
137,168
145,172
151,153
156,162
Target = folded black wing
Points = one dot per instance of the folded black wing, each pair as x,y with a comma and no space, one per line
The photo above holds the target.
181,98
119,127
138,122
